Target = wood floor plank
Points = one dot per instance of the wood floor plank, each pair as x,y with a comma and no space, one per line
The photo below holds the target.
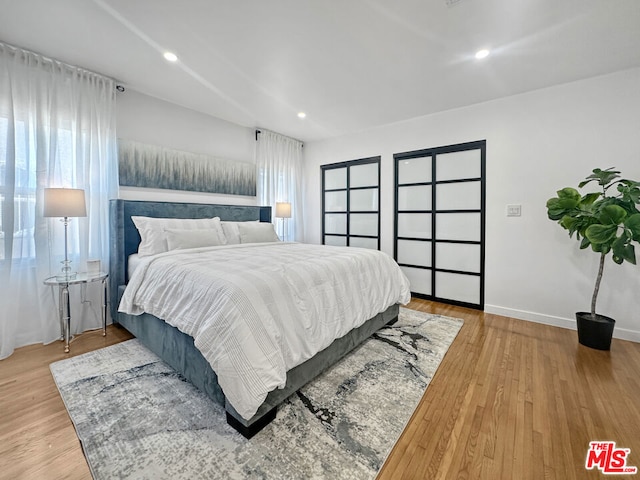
511,399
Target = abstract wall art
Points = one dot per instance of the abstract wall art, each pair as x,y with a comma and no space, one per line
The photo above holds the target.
152,166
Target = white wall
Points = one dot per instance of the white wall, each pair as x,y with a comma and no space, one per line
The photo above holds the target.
149,120
537,143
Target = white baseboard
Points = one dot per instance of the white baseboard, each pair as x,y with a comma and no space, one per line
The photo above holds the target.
621,333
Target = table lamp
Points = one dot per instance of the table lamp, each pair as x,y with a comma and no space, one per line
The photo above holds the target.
65,203
283,210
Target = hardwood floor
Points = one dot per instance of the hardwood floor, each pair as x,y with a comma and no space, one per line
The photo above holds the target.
511,400
519,400
37,438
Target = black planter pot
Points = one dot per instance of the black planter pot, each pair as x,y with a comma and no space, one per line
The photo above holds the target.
595,333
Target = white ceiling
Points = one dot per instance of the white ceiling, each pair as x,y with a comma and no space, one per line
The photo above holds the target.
349,64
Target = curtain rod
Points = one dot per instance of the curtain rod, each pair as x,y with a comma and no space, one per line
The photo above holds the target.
258,131
15,50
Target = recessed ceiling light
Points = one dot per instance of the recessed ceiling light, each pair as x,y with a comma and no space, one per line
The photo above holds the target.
170,56
484,53
301,115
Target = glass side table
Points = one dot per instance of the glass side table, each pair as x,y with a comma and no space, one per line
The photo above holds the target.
64,309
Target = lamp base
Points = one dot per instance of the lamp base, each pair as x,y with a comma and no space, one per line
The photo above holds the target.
66,276
65,272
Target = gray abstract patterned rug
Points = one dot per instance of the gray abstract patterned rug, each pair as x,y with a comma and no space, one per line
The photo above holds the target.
138,419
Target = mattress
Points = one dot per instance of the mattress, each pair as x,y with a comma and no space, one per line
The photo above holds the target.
132,263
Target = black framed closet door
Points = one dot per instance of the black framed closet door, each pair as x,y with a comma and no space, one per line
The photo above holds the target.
439,222
351,203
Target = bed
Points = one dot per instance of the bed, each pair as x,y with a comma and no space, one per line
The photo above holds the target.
179,349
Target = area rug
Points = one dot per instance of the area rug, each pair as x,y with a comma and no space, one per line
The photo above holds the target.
137,418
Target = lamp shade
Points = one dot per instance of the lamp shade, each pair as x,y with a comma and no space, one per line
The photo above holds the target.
283,210
64,202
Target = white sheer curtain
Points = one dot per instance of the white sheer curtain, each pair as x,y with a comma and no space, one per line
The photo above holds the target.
57,129
279,163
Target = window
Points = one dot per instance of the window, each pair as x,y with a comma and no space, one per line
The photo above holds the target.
351,203
17,194
18,179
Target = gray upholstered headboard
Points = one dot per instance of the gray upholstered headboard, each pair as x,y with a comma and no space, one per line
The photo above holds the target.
124,236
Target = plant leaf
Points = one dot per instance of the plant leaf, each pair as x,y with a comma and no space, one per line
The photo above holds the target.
589,198
601,234
633,224
554,212
604,177
601,247
568,192
631,254
630,191
623,250
569,223
568,199
584,243
612,215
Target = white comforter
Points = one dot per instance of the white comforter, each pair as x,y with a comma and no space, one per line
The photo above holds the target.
258,310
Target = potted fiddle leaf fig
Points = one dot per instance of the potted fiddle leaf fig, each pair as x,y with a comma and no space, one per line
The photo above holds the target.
608,221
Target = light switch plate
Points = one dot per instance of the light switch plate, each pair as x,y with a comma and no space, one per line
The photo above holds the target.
514,210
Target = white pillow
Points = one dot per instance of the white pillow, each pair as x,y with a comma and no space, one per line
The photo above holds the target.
231,231
179,238
153,236
260,232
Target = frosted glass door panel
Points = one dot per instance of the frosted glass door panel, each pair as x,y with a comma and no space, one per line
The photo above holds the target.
414,170
335,201
364,200
335,178
414,198
371,243
458,196
363,224
335,223
461,288
414,225
337,241
458,256
413,252
458,226
363,175
457,165
419,278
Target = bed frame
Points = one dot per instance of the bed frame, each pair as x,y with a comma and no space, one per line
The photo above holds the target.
178,349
